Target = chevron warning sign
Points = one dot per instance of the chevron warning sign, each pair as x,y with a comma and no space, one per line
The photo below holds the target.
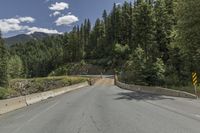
194,78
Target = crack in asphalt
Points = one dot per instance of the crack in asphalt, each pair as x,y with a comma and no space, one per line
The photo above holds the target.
79,130
173,110
95,123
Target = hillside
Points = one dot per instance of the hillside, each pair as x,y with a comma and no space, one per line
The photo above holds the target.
23,38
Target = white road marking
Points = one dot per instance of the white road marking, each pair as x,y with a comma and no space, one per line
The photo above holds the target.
174,110
34,117
197,115
20,116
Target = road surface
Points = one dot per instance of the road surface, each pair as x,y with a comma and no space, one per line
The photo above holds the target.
105,108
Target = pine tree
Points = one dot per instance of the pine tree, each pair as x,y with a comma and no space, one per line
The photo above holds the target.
127,24
188,31
15,67
109,34
86,29
98,39
144,28
104,16
3,63
115,25
74,44
161,28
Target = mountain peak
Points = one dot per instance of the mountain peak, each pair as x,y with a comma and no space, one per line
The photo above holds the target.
23,38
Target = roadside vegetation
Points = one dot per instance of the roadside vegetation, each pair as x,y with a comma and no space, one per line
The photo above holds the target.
7,93
148,42
81,68
189,89
21,87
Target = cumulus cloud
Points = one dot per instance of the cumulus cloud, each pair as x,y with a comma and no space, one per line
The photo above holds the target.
19,24
26,19
66,20
14,24
44,30
59,6
11,21
46,1
118,4
9,26
56,13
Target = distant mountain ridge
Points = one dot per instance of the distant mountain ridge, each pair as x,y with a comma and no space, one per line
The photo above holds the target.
23,38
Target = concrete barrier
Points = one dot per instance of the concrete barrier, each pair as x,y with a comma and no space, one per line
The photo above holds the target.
12,104
19,102
47,94
33,98
69,88
58,92
77,86
155,90
92,81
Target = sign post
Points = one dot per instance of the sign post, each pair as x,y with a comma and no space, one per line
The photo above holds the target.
194,82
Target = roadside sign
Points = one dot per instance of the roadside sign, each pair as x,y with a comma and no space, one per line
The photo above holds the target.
194,78
195,81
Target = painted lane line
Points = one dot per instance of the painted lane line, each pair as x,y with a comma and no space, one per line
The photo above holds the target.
34,117
20,116
197,115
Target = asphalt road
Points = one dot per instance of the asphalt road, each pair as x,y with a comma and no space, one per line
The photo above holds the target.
105,108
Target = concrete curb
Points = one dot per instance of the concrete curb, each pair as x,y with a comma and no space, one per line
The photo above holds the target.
33,98
58,92
12,104
47,94
155,90
9,105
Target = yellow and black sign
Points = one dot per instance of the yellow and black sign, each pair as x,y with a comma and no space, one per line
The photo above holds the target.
194,78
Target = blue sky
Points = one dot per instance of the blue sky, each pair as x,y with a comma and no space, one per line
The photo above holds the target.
50,16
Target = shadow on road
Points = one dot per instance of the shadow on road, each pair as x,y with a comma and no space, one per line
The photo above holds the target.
140,96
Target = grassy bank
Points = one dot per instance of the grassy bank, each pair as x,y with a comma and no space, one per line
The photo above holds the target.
21,87
77,69
189,89
81,68
7,92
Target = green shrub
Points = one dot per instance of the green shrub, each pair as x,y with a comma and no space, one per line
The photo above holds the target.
35,85
15,67
141,70
7,93
155,73
77,69
3,93
60,71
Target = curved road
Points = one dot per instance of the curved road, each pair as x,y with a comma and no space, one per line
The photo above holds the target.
105,108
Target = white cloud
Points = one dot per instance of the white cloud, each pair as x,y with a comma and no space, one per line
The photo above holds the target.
44,30
59,6
11,21
14,24
56,13
9,26
66,20
19,24
118,4
26,19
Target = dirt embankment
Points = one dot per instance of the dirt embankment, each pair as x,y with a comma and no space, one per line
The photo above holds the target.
81,69
23,87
